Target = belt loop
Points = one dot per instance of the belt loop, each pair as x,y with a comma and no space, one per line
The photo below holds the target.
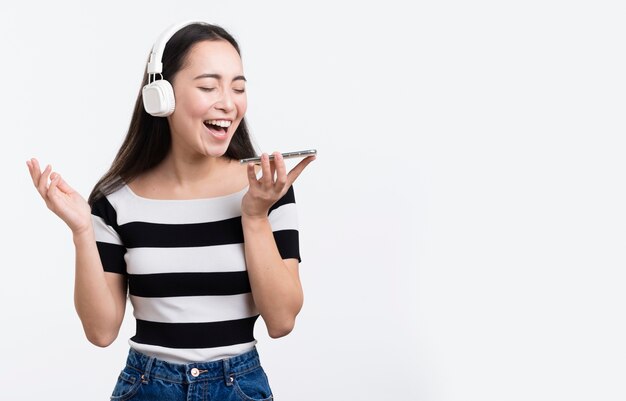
228,378
145,377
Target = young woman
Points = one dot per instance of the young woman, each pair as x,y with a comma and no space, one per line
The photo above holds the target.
201,244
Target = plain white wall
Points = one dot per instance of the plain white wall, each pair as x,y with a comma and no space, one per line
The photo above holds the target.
462,229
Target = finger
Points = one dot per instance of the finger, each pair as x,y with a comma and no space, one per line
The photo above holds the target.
265,167
295,172
53,191
35,172
42,185
29,164
252,175
273,165
273,169
281,170
36,164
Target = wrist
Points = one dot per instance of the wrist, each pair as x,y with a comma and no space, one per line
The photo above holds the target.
253,220
83,236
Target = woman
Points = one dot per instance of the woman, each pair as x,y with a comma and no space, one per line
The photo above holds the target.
202,244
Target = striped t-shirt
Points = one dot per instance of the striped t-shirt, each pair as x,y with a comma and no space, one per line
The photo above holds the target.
186,269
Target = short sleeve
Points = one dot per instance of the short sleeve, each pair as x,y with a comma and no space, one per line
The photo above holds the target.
283,219
108,241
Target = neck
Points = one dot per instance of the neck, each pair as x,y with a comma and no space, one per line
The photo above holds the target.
190,171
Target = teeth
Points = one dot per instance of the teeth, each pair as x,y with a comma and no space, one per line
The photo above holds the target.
219,123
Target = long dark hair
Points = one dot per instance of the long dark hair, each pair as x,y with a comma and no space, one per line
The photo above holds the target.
149,139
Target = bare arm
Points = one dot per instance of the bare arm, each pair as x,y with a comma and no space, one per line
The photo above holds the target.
99,297
275,282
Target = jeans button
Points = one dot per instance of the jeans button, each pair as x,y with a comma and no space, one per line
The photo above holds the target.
195,372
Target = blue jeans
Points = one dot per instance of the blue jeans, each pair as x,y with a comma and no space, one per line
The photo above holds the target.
147,378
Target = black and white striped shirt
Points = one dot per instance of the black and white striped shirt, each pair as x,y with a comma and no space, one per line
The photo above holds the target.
186,270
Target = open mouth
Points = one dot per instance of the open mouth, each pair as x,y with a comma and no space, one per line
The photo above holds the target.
218,127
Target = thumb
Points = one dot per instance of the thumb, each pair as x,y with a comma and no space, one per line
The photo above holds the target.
62,185
295,172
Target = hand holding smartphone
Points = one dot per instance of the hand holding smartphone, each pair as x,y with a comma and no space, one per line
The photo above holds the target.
288,155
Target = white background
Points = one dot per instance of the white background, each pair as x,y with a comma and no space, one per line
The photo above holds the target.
462,230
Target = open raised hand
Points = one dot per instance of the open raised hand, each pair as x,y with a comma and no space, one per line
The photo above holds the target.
267,190
62,199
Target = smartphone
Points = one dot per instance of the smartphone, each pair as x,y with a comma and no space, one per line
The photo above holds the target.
288,155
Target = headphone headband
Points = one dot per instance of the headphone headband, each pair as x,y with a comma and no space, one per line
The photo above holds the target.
155,66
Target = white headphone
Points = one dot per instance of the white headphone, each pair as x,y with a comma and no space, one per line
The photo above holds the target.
158,95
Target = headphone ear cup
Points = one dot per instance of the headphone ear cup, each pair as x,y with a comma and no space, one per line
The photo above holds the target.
158,98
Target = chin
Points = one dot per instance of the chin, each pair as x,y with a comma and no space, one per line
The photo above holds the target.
213,146
215,151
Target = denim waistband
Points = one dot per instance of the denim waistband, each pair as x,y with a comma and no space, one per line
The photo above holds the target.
225,369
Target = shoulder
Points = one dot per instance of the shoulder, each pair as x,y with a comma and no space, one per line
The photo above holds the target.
108,201
104,209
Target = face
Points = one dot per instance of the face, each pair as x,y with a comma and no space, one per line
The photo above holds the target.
210,99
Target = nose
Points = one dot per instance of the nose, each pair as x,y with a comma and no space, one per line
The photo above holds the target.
225,101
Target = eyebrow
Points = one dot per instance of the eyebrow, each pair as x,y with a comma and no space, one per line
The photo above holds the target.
218,76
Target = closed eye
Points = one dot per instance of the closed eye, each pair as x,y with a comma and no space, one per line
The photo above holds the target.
207,89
